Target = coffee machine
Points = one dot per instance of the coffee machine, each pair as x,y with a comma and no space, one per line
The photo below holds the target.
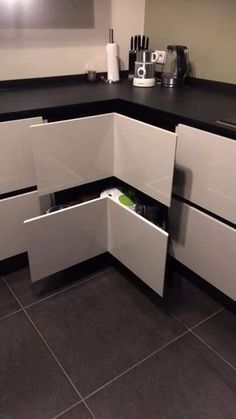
144,70
175,67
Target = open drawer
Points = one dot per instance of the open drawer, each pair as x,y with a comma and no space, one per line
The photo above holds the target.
67,237
75,152
13,211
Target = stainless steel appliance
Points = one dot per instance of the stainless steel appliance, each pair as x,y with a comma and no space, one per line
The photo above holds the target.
175,66
144,72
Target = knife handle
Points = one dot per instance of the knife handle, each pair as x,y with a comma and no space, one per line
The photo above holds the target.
132,43
132,59
139,42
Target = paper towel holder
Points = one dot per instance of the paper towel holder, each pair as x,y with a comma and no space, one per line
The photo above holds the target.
112,61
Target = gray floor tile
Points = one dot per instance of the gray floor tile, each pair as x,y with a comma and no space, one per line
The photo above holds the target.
8,303
220,333
29,293
184,381
78,412
102,327
31,384
187,301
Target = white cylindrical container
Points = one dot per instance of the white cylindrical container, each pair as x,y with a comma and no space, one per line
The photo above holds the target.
112,62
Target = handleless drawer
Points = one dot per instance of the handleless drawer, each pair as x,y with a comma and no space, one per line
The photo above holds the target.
206,171
144,157
13,211
75,152
16,157
205,245
72,152
64,238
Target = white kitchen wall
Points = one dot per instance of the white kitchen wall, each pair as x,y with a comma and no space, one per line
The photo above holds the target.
28,53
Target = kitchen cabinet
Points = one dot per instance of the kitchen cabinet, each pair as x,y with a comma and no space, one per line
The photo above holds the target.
13,212
66,237
69,236
17,174
144,157
203,217
205,245
73,152
205,171
16,162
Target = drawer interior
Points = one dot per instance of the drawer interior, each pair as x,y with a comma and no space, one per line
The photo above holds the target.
145,206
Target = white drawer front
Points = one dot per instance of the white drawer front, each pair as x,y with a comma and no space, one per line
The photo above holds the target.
144,157
67,237
205,245
206,171
16,157
13,211
73,152
138,244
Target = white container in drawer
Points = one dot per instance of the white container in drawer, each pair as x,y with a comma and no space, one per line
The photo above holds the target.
13,211
69,236
205,245
74,152
206,171
16,157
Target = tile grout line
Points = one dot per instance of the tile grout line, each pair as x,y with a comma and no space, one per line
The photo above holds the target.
207,318
136,365
49,349
200,322
10,314
57,292
83,399
191,330
15,311
213,350
67,410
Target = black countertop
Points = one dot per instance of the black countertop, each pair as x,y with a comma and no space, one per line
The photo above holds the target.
195,106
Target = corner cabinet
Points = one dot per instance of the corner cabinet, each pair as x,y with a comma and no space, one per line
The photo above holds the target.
74,152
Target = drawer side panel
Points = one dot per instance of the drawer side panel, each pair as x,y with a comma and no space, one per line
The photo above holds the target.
138,244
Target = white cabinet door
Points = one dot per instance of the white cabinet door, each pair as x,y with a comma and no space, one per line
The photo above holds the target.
206,171
205,245
67,237
73,152
138,244
13,211
16,157
144,157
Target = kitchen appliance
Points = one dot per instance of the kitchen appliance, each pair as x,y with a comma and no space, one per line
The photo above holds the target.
144,72
137,42
175,66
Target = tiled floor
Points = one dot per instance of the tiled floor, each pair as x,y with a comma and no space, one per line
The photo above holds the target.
99,344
